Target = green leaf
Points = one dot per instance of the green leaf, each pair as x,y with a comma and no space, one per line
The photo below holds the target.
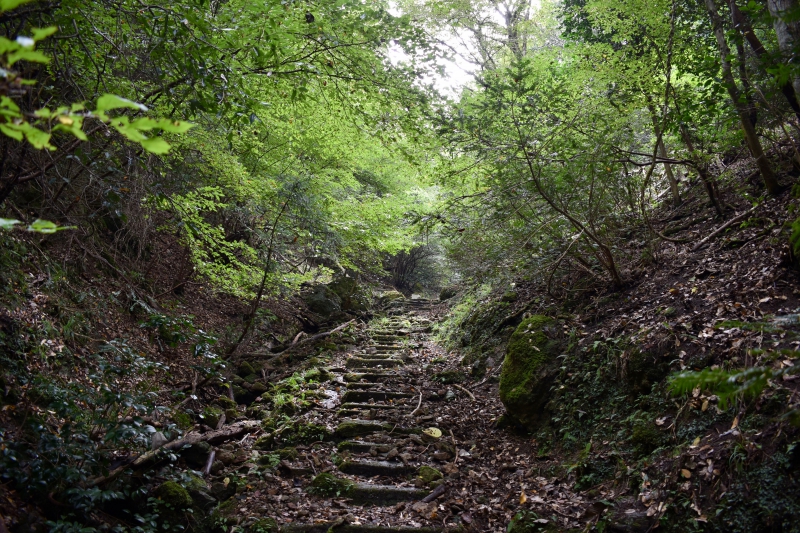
7,5
42,33
111,101
8,223
10,132
28,55
45,226
155,145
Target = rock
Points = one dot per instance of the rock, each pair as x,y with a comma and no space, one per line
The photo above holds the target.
450,395
225,457
245,369
173,494
222,492
196,455
157,440
329,485
509,296
217,467
352,297
211,416
529,369
359,428
428,475
225,402
203,499
391,296
231,414
447,293
323,301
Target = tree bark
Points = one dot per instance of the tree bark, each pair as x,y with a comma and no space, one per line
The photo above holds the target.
741,23
787,31
749,130
662,152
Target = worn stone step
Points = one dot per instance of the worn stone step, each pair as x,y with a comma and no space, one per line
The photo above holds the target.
368,374
355,362
390,347
387,338
366,355
384,495
378,396
359,428
326,527
367,468
363,406
363,386
369,370
358,446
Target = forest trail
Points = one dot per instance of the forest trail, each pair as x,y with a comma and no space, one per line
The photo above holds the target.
401,451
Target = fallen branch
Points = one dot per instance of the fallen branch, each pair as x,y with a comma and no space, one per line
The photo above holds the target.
438,491
316,337
419,403
212,437
722,228
463,389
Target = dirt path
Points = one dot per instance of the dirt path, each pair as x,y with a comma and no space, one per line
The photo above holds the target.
400,450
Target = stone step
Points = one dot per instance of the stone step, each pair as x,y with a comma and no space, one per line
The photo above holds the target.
372,355
359,428
387,338
367,468
326,527
358,446
390,347
355,362
365,406
378,396
363,386
368,374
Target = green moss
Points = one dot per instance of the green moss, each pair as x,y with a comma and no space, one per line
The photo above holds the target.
428,475
174,495
288,454
529,522
194,483
211,416
531,350
305,434
263,525
645,437
245,369
182,420
231,414
329,485
264,443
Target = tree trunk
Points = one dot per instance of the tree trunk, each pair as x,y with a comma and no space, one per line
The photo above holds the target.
788,32
743,25
749,130
662,152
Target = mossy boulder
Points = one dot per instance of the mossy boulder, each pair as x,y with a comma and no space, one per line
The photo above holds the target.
329,485
428,475
323,301
391,296
196,455
245,369
529,369
645,437
174,495
447,293
288,454
211,416
352,296
182,420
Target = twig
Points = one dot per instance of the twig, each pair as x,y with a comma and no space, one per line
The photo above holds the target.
723,228
419,403
438,491
209,463
459,387
455,447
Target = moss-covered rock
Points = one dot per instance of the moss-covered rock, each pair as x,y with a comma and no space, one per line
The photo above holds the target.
449,376
245,369
288,454
174,495
447,293
329,485
428,475
264,525
391,296
352,296
529,369
645,437
182,420
225,402
211,416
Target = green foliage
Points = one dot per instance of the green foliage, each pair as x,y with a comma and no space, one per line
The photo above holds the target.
729,385
328,485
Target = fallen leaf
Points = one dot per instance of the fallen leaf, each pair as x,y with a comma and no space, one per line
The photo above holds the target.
522,498
735,422
685,473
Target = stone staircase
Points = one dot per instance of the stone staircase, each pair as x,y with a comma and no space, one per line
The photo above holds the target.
385,456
